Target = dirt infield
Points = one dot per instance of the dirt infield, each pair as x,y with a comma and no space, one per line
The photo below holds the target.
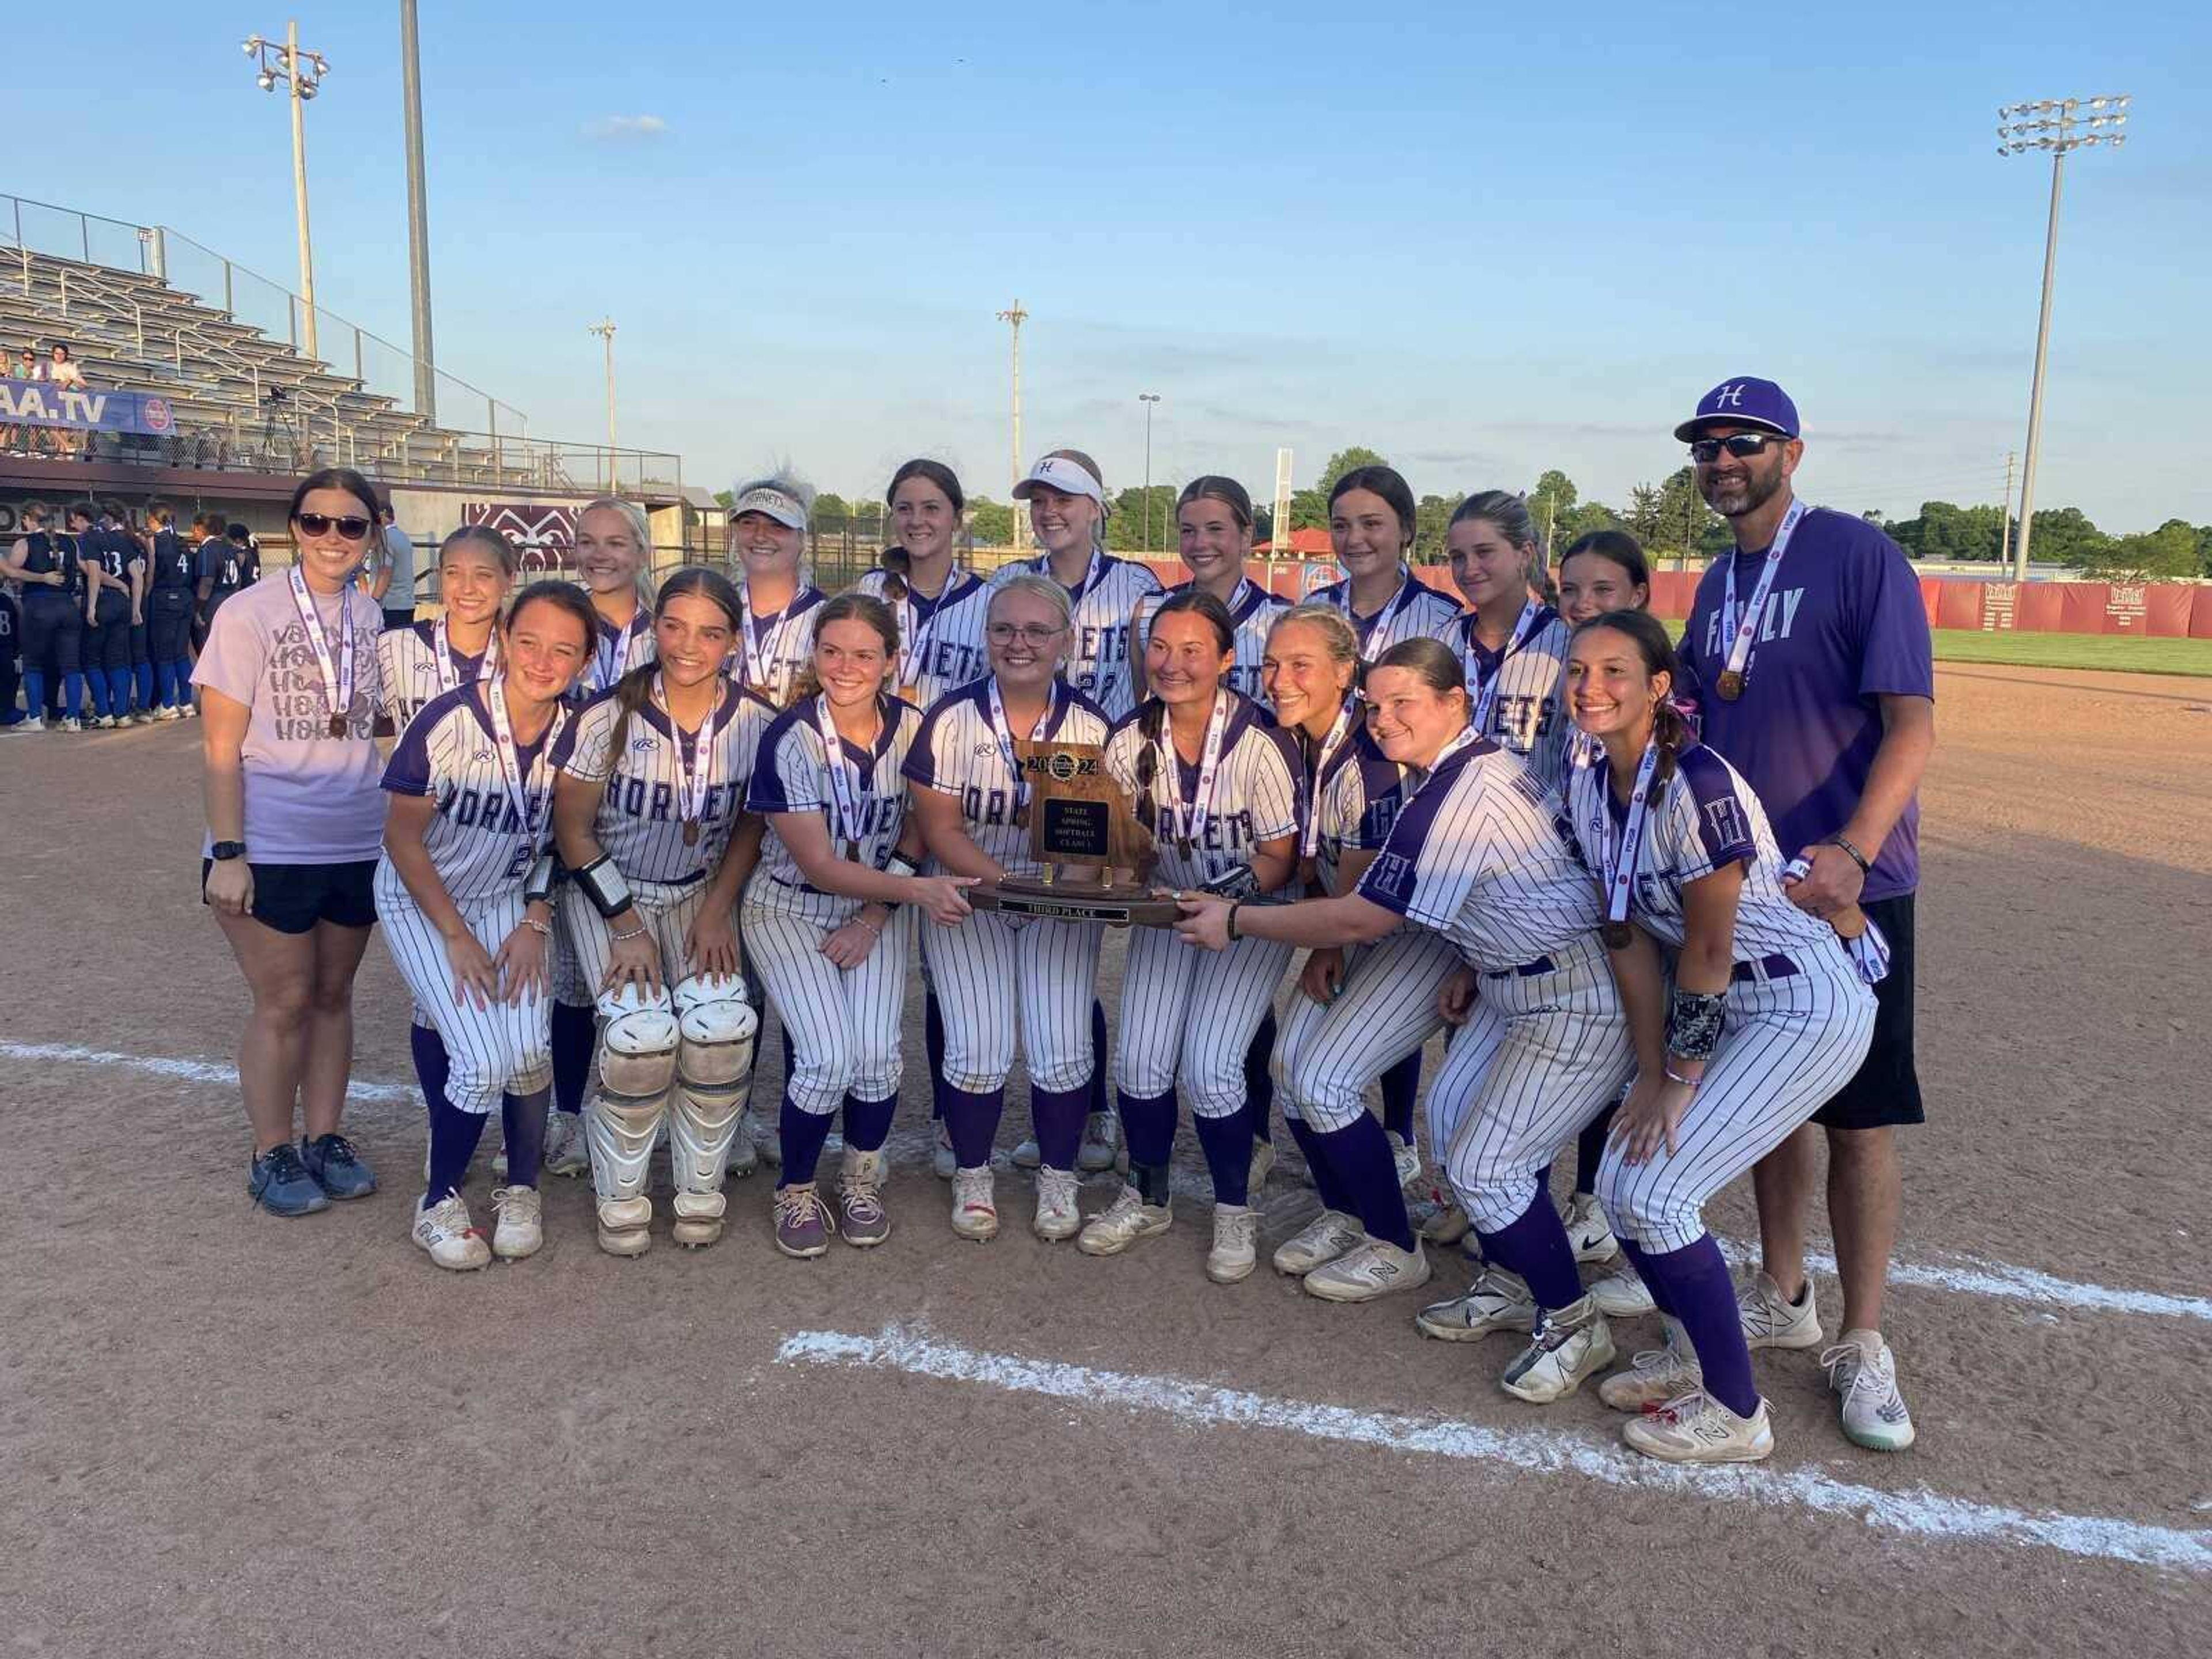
227,1434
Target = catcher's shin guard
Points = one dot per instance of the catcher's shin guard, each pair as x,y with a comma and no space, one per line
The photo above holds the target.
637,1063
713,1060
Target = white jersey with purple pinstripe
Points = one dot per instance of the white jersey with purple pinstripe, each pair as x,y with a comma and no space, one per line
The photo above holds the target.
474,839
777,647
1255,793
641,818
1355,803
1701,818
1479,853
1406,615
940,640
791,777
407,658
1254,613
1527,684
615,652
957,751
1098,643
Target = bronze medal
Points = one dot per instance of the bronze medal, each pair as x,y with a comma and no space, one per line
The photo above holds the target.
852,854
337,726
1616,934
1731,685
690,833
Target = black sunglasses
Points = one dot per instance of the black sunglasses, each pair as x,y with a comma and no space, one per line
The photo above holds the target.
1741,445
352,526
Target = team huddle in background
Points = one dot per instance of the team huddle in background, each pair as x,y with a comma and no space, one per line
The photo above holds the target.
1659,900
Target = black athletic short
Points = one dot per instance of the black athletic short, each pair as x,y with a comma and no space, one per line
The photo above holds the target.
54,633
168,624
1887,1089
292,897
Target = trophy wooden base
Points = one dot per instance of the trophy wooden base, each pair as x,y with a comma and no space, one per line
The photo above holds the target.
1117,904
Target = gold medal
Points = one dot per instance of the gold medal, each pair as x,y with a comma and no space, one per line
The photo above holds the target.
852,854
1731,685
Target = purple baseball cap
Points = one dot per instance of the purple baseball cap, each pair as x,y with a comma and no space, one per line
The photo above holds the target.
1743,402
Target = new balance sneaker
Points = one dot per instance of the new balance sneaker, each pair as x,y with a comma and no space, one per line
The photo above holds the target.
1027,1156
1656,1375
1621,1294
568,1154
1863,1371
519,1223
453,1241
1123,1223
280,1184
1327,1236
803,1225
1589,1231
336,1167
1770,1321
942,1158
1102,1139
860,1213
1057,1215
1376,1268
1406,1156
1255,1177
1496,1300
974,1211
1569,1344
1235,1243
1696,1428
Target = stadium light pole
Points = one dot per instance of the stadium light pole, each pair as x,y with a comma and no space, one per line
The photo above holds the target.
2057,124
303,74
1015,319
418,213
604,328
1148,398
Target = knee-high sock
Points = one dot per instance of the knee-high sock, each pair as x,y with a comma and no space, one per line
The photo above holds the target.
1227,1144
95,683
1057,1115
802,1133
1589,1148
73,694
453,1137
972,1120
1401,1092
143,674
1099,1103
164,684
932,1042
432,1064
35,693
1535,1246
180,673
868,1123
1313,1146
522,1122
1637,1259
1148,1121
1360,1153
575,1031
1695,1281
1259,1081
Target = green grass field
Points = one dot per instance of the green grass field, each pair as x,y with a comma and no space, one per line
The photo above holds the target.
2115,652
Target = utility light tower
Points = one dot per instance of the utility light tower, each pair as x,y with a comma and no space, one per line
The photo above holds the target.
301,74
1014,319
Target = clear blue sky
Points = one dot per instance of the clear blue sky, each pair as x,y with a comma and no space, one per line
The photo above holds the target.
1483,245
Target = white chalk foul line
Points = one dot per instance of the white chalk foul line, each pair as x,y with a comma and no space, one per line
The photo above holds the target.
1968,1276
1920,1513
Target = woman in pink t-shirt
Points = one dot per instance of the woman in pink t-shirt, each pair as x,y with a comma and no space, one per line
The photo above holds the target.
288,690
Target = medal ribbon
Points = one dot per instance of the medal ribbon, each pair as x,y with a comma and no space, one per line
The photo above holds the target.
1329,744
1742,628
1623,849
510,763
442,657
695,767
845,788
1376,630
1467,736
611,653
1481,688
1193,816
759,663
337,678
1005,736
917,630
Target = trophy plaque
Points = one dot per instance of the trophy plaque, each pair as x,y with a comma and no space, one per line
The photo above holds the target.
1095,855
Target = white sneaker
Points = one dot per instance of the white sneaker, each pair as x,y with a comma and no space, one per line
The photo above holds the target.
1102,1139
1058,1216
1769,1322
1406,1156
519,1230
942,1158
1435,1213
1862,1371
1376,1268
1027,1156
65,724
102,723
1569,1344
1496,1300
1589,1231
452,1240
744,1155
1327,1236
567,1152
1235,1243
975,1213
1123,1223
1656,1375
1697,1429
167,714
1621,1294
33,723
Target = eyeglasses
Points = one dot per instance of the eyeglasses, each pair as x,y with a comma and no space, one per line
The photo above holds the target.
1036,634
351,526
1741,445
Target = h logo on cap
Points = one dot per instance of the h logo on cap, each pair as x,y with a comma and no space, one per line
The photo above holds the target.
1728,396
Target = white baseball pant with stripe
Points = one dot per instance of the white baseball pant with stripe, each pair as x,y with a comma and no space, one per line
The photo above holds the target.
844,1022
502,1049
995,975
1327,1055
1788,1044
1541,1056
1191,1014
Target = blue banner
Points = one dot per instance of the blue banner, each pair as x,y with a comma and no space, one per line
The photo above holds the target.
41,403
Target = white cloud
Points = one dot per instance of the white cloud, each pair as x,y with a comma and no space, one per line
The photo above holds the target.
625,126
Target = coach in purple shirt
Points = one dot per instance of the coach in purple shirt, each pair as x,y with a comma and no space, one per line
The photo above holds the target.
1827,705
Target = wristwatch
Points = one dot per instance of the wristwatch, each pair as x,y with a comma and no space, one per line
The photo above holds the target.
223,851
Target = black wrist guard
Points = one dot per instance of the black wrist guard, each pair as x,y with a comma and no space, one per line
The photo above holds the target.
604,885
1237,884
898,864
1693,1024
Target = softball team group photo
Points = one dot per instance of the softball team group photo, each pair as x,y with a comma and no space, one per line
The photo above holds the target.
621,834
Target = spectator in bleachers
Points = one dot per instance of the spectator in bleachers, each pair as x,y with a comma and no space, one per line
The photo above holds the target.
23,439
391,573
61,369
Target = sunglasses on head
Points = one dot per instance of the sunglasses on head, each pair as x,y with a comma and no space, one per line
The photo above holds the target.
352,526
1741,445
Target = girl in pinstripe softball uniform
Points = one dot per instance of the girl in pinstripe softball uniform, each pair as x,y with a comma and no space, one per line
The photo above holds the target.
1513,644
653,791
1357,1014
940,606
1003,975
828,916
1478,856
463,891
1767,1017
768,539
1217,786
1371,521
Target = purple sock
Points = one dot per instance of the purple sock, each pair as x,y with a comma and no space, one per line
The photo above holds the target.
575,1031
868,1123
1057,1115
932,1042
1361,1154
1535,1246
972,1121
1695,1281
1313,1146
1638,1260
802,1134
522,1121
1227,1144
433,1066
1148,1121
1401,1091
1098,1100
1259,1081
453,1137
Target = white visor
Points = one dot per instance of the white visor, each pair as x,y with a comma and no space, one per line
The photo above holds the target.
1058,472
770,502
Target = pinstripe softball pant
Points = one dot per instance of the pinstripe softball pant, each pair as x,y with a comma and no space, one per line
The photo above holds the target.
996,975
844,1022
502,1049
1327,1055
665,911
1191,1014
1788,1043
